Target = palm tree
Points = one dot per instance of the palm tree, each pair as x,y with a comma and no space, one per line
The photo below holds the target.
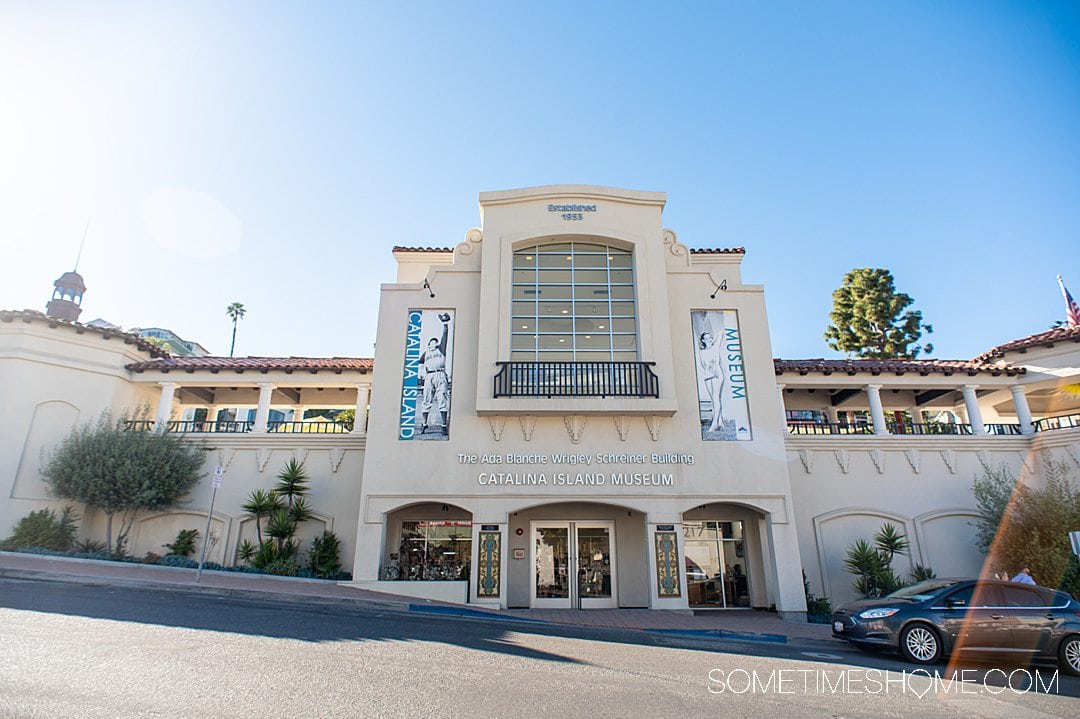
236,311
292,482
261,504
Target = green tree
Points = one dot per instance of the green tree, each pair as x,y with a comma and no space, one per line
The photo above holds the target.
122,472
236,312
871,320
292,482
1023,525
261,504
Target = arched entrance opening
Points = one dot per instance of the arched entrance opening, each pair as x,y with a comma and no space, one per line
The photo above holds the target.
427,541
577,555
725,564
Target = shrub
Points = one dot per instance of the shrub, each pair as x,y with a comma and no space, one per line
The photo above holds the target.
44,528
282,567
324,558
246,551
872,564
90,546
1020,525
184,544
818,609
176,560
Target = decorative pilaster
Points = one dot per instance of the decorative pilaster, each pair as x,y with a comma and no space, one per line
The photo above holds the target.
489,563
668,584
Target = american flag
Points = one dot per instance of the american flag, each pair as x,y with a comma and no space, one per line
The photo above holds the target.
1072,310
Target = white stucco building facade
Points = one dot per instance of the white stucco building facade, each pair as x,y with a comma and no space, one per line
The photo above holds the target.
573,409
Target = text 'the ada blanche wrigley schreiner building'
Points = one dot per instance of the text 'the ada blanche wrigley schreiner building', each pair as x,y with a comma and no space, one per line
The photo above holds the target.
572,410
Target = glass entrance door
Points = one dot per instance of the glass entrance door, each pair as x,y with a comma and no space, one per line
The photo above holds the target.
716,564
574,565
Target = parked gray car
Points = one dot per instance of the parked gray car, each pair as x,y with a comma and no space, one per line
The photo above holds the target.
931,619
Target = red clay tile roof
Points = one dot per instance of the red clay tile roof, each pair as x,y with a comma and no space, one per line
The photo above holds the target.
1042,339
399,248
719,251
894,366
29,316
258,364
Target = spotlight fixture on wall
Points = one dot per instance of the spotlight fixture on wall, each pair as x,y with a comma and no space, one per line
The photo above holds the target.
427,286
721,286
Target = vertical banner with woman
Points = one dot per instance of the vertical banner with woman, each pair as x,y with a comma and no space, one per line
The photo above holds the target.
426,384
721,379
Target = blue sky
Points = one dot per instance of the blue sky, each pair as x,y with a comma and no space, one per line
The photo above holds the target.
272,153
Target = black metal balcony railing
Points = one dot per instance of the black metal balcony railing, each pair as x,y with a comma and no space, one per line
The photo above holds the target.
1067,421
331,427
929,428
1003,429
191,426
576,379
797,427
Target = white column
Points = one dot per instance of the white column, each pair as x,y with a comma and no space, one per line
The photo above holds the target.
877,414
832,415
363,391
298,414
164,409
971,403
1023,412
262,414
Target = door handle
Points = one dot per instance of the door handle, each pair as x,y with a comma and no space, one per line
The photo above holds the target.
1050,615
996,616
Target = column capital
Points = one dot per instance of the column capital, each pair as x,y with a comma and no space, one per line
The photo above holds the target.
780,386
262,385
970,387
170,383
873,387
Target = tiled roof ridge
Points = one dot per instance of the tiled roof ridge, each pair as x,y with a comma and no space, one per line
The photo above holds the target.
718,251
106,332
899,366
1047,338
401,248
214,363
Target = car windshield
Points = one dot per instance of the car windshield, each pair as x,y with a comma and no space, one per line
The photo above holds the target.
922,591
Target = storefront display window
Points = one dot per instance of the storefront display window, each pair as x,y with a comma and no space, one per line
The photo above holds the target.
432,551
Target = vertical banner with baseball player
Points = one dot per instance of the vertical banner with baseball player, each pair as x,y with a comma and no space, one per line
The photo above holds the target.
426,385
722,404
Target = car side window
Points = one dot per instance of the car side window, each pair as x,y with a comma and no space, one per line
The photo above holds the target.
974,596
1018,596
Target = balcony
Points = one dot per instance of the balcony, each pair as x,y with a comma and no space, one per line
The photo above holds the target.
928,429
232,427
576,379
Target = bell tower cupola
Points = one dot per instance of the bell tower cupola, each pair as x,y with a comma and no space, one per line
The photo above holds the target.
66,302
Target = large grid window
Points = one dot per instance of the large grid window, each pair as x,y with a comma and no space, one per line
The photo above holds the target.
573,301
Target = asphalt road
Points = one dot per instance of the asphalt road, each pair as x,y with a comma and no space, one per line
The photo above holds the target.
68,650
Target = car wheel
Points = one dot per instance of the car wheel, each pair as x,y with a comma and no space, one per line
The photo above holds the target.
1069,655
919,643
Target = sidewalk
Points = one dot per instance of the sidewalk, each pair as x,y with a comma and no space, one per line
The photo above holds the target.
727,624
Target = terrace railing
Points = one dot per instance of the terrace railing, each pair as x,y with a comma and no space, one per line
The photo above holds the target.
929,428
1067,421
796,427
310,427
576,379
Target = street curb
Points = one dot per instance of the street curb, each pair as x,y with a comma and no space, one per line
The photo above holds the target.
406,607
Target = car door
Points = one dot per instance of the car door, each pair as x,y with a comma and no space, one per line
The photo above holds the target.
1032,616
974,619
